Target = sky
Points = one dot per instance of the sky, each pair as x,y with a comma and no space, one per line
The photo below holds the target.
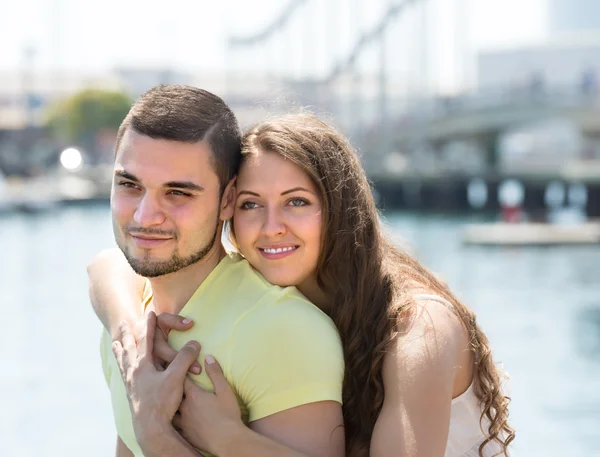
191,34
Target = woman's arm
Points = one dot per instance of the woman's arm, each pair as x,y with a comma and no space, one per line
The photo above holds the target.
122,449
115,290
213,418
419,379
211,421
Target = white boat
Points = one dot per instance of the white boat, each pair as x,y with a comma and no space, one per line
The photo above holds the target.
29,195
531,233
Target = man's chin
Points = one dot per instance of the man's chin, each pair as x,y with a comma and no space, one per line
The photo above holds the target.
152,269
149,265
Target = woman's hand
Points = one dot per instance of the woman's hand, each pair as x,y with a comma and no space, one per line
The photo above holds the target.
163,353
208,420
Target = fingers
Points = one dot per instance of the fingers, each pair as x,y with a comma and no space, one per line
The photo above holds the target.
215,374
122,361
177,422
146,342
126,337
128,345
166,354
167,322
162,350
189,386
184,360
118,352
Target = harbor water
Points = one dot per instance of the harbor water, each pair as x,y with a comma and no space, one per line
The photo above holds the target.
539,306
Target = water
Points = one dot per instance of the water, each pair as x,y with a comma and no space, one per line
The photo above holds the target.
539,306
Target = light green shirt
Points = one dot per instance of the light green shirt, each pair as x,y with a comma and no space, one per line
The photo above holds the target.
276,348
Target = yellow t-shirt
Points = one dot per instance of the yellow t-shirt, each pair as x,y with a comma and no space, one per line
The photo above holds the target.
276,348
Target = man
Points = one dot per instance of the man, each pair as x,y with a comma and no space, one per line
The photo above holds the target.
177,153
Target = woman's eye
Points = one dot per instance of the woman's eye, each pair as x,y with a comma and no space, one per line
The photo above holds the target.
298,202
249,205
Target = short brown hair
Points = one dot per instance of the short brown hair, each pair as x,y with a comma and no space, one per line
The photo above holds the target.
189,115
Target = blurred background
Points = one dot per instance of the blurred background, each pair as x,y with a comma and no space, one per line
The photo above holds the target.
478,122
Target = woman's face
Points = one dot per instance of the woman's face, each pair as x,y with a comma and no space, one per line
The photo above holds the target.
277,219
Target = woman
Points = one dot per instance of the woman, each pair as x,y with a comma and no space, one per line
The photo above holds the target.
419,376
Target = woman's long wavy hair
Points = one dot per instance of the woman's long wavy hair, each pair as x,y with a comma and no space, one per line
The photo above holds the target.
370,281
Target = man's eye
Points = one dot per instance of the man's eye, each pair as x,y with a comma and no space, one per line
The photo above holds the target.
128,184
179,193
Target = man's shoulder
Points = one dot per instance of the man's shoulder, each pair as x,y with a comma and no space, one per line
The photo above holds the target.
286,310
266,303
240,278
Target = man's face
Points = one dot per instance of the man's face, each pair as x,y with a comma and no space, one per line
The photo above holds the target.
165,203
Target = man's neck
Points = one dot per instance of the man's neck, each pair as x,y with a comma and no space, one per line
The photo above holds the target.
171,292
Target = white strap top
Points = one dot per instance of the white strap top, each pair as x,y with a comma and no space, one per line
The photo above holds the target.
465,434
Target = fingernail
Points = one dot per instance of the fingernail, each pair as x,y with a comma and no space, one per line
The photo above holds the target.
210,359
193,345
186,321
195,369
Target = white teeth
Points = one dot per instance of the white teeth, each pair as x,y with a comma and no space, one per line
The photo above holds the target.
278,250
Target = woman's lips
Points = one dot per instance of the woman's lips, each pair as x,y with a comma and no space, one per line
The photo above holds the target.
275,253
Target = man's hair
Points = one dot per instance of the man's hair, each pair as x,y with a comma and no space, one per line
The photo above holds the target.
188,115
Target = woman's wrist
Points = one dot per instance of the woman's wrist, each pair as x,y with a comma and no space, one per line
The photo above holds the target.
153,438
231,439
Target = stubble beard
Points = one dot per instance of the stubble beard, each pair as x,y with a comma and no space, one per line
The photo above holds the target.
152,268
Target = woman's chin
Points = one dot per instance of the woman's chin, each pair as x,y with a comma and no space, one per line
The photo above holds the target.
281,281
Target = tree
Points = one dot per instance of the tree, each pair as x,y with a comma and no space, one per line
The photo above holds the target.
78,118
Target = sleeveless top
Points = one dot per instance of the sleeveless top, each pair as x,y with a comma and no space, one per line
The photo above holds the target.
465,434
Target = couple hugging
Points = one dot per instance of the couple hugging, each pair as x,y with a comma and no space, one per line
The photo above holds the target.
316,336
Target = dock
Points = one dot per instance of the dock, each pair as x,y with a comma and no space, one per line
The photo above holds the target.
531,234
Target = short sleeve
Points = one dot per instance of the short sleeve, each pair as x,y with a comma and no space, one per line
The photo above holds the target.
285,358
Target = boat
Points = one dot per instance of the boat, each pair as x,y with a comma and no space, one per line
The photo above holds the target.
531,234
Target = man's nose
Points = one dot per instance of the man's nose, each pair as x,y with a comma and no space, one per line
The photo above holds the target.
148,212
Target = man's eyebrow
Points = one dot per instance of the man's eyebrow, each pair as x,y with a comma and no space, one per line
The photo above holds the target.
188,185
126,175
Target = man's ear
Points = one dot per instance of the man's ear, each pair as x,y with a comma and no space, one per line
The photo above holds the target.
228,201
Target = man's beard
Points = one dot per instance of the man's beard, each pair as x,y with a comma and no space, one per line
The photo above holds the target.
151,269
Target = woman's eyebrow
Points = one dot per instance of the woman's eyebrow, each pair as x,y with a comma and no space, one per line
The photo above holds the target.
248,192
296,189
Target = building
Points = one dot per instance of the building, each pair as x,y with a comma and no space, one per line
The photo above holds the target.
567,16
566,63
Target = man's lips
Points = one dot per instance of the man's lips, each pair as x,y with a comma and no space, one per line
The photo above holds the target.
147,241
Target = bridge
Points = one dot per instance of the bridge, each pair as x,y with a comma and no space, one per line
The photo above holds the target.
398,132
484,116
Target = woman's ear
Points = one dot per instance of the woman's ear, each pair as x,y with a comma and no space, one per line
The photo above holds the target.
228,201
